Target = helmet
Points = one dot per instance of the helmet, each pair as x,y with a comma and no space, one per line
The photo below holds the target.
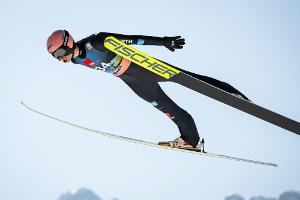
60,43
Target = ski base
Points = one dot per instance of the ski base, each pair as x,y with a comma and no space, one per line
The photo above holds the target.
132,140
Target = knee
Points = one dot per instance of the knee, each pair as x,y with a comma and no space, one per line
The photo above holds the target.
185,120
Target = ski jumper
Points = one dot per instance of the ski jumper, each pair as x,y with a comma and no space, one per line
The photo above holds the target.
144,83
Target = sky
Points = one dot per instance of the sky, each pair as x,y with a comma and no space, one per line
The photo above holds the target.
253,45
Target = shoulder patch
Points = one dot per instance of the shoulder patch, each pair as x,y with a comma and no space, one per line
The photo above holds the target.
89,46
140,41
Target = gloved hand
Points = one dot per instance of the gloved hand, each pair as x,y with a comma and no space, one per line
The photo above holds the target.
173,43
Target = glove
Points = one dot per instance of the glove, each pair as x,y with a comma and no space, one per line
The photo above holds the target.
173,43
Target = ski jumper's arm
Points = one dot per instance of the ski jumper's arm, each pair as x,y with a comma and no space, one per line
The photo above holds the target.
171,43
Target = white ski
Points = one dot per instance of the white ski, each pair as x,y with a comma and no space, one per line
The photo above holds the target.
151,143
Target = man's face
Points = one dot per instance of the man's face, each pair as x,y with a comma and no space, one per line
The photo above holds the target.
57,45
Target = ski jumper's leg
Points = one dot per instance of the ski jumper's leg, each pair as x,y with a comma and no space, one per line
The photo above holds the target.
219,84
152,93
214,82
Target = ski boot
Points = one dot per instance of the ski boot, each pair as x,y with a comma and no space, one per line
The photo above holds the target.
181,144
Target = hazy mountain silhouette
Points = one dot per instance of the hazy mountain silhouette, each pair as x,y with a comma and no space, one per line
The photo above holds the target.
86,194
81,194
290,195
234,197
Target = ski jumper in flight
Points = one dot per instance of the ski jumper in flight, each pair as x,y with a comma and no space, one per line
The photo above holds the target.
91,53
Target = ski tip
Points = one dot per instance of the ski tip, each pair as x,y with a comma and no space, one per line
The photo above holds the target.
23,104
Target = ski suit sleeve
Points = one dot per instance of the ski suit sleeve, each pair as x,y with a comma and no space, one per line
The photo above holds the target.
133,39
171,43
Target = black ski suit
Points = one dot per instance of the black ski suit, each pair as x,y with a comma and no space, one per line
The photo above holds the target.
144,83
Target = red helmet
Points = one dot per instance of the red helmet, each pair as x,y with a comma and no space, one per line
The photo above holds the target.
60,43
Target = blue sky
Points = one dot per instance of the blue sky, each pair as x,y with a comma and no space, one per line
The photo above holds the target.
252,45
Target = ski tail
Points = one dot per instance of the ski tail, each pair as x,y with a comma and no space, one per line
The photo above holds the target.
240,159
213,82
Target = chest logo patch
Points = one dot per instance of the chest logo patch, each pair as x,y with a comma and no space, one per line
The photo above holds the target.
89,62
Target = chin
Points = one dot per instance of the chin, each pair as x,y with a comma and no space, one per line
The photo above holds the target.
66,61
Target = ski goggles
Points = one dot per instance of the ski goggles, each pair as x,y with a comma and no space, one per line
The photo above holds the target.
64,49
